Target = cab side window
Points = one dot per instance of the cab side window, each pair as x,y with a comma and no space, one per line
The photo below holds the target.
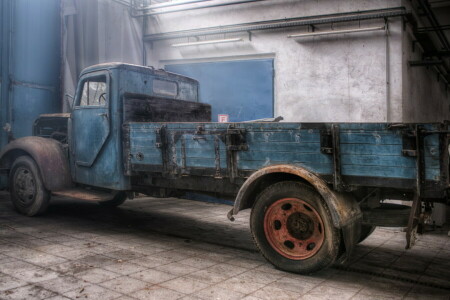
94,92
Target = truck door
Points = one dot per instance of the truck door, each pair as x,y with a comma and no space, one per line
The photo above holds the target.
90,123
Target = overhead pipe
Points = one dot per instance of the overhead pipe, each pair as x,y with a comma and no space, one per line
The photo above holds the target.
194,8
207,42
427,29
169,4
281,23
424,63
319,33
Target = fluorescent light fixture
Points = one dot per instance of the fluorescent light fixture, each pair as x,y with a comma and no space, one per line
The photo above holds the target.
208,42
172,3
318,33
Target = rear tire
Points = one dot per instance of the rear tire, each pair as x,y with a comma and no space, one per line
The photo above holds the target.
366,231
118,200
28,193
292,226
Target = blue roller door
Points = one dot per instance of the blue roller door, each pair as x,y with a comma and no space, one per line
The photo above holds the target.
242,89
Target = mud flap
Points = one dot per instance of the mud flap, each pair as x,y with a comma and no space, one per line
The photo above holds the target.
351,233
350,217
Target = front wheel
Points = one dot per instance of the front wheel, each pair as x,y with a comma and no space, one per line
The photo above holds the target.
292,226
28,193
118,200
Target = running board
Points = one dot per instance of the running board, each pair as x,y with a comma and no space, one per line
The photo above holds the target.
84,194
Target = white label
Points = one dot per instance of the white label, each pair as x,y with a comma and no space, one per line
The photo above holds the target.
223,118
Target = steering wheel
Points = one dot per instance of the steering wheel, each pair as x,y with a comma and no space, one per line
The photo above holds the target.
102,98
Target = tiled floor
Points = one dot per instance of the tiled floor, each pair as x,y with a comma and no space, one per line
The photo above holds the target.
171,248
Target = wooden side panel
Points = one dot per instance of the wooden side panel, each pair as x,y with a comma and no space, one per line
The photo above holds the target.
269,146
366,150
200,151
375,151
143,149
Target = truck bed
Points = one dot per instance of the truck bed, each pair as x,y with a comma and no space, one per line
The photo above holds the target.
403,156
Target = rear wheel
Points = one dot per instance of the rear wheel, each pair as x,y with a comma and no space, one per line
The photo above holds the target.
366,231
118,200
28,193
291,225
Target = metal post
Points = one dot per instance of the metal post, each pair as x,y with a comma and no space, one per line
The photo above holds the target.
6,13
5,38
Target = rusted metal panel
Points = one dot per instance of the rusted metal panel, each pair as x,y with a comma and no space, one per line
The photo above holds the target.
49,156
344,209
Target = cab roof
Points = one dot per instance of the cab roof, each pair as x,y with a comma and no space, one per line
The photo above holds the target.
135,68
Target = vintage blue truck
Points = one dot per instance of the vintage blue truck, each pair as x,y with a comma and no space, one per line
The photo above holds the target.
315,189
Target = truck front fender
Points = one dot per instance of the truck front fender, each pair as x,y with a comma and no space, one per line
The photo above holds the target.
343,207
48,155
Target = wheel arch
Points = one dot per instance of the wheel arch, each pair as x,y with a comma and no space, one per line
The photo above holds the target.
48,155
344,208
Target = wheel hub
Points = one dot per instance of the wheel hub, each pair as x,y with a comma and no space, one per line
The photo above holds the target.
300,226
24,186
294,228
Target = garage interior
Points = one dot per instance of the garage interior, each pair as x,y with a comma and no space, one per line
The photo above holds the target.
357,61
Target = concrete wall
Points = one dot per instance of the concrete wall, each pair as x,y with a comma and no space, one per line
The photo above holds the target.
336,78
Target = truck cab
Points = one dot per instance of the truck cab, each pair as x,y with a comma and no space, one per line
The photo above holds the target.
87,160
95,125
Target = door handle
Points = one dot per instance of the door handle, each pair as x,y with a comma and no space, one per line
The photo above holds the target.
103,115
197,138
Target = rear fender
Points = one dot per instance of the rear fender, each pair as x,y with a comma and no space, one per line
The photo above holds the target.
343,207
48,155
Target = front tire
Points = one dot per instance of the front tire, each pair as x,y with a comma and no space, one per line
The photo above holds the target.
118,200
28,193
292,226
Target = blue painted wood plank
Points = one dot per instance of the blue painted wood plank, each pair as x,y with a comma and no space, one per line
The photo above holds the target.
147,160
379,171
367,149
291,136
377,160
432,140
284,156
286,147
378,138
433,174
256,165
204,162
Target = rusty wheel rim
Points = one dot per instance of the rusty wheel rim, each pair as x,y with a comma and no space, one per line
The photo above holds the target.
24,186
294,228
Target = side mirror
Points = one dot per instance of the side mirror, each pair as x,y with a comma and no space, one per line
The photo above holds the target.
70,102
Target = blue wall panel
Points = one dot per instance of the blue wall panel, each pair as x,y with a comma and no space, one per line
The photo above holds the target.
30,61
27,104
242,89
35,62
